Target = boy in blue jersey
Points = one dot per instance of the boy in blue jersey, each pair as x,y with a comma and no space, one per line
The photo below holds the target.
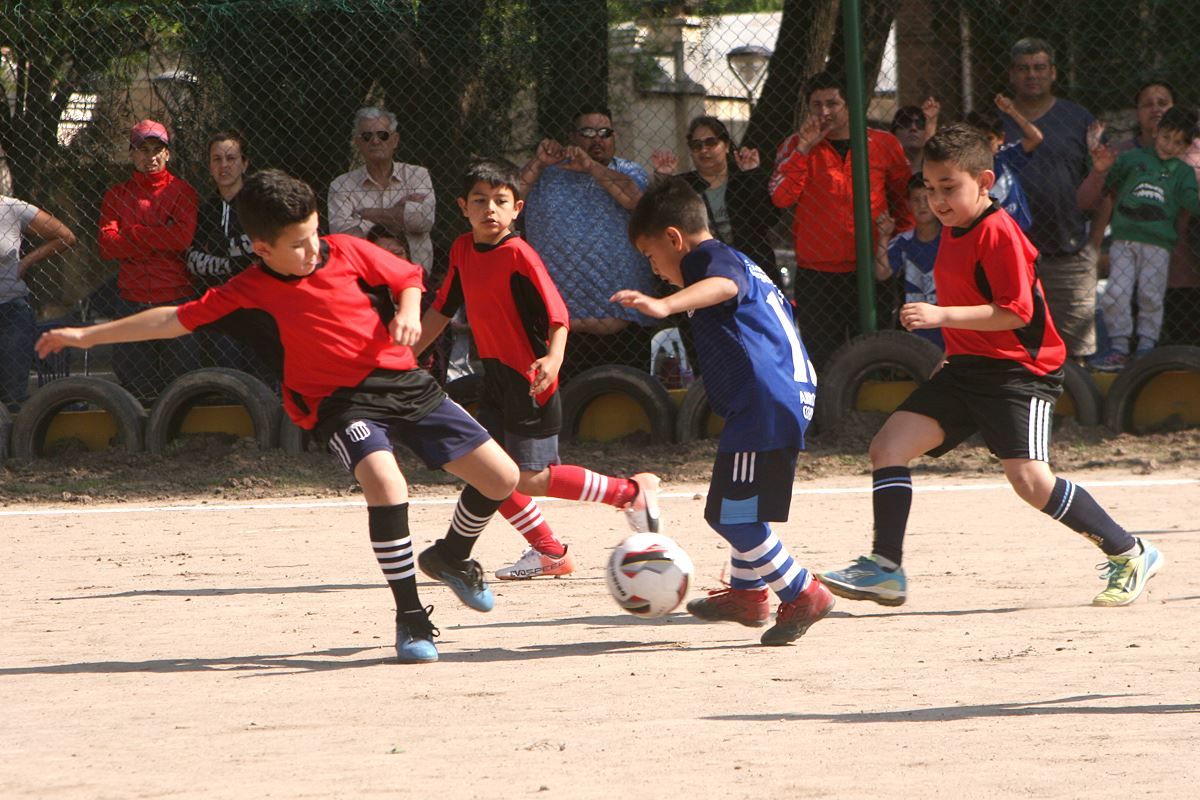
911,254
758,377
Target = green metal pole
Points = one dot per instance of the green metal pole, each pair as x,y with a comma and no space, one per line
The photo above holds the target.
856,96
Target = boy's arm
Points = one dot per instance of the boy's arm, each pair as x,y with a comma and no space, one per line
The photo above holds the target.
405,327
432,325
1031,135
989,317
1099,178
153,323
544,370
885,226
701,294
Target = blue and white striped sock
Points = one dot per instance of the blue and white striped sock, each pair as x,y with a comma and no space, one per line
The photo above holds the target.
758,551
742,574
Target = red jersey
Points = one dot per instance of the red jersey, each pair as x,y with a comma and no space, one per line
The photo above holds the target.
993,262
512,303
330,322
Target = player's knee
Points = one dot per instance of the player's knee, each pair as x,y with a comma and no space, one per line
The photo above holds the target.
884,452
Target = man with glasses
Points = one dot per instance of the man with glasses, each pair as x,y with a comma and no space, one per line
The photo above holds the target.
384,192
578,199
1067,265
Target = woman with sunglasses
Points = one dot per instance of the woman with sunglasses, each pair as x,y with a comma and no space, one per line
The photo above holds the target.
733,184
383,192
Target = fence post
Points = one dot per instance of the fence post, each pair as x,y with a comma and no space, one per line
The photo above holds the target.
856,90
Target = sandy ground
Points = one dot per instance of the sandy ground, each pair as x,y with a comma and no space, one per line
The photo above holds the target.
243,651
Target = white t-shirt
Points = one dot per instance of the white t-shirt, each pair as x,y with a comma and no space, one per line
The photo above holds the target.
15,216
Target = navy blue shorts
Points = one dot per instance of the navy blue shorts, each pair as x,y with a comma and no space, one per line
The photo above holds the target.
444,434
751,487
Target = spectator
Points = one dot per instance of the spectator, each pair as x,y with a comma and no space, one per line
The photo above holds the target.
18,323
1150,187
1060,229
578,201
1008,159
383,191
1181,306
146,224
813,173
912,126
910,255
734,187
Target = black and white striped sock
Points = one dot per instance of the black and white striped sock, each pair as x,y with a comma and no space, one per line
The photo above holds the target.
388,526
471,516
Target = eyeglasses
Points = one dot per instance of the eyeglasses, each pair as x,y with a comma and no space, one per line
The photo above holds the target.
706,143
592,133
383,135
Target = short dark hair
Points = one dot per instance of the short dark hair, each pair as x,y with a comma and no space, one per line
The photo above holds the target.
962,145
824,80
494,172
230,135
1177,118
713,124
271,200
917,181
670,204
1137,96
377,232
986,122
1030,46
586,110
906,115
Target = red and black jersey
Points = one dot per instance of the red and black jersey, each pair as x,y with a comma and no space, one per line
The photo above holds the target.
993,262
511,303
331,323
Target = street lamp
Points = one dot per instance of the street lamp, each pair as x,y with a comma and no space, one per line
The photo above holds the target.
749,63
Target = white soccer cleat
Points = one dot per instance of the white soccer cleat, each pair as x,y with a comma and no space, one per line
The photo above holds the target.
534,564
642,513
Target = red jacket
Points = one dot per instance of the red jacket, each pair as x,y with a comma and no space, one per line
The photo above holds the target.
819,184
147,223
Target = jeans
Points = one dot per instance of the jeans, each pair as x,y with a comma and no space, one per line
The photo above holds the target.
18,332
146,368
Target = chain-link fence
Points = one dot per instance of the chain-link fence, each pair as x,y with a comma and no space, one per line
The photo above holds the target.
745,99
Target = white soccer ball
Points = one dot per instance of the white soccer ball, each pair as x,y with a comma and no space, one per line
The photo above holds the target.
649,574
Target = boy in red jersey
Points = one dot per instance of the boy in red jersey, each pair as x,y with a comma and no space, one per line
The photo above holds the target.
1001,378
519,323
350,375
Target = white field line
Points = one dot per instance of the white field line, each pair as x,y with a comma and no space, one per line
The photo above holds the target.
445,501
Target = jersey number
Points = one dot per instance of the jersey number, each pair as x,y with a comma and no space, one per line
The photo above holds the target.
799,361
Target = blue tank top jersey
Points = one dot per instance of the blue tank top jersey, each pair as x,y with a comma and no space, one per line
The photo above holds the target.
756,371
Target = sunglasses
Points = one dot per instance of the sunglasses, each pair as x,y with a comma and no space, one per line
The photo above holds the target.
592,133
703,144
383,135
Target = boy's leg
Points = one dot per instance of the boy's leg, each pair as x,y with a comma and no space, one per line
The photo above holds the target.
1117,304
546,555
637,494
1153,264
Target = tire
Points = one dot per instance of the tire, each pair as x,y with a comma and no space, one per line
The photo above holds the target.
467,391
293,439
1123,394
180,397
892,352
692,419
644,389
6,423
1085,395
29,428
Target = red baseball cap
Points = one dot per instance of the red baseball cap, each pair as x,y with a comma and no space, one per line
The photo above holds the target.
148,129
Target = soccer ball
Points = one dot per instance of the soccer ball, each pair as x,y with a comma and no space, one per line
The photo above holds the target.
648,574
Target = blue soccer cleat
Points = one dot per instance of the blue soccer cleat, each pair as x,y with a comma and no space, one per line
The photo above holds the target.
414,637
467,581
866,580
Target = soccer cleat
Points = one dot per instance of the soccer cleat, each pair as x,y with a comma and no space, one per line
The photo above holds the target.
642,512
866,580
1127,576
414,637
533,563
467,582
748,607
1112,361
793,619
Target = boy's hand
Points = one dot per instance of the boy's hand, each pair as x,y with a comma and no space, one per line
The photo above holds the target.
549,152
1103,157
650,306
1005,104
54,340
931,108
919,316
542,374
665,162
747,158
885,224
405,329
1095,133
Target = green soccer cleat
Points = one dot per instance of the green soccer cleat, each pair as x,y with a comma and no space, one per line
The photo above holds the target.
1127,576
866,580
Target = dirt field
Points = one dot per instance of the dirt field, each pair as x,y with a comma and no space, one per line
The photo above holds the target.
242,650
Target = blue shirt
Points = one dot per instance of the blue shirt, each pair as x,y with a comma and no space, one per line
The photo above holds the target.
756,371
1009,160
912,260
582,235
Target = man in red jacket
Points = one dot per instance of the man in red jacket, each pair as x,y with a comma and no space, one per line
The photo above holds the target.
813,173
146,224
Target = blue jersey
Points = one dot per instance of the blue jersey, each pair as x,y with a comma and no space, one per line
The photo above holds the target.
1009,161
756,370
912,260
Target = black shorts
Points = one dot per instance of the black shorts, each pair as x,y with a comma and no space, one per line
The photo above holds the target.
1010,406
751,487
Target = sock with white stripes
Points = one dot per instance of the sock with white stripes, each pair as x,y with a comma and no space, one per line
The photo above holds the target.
741,573
756,546
568,482
471,516
524,514
1071,505
388,526
891,499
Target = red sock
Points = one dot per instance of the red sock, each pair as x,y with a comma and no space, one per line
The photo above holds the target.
523,513
578,483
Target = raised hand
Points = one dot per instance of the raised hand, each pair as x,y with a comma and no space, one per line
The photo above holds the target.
931,108
885,224
746,158
1103,157
549,152
1095,133
811,131
1005,104
577,159
665,162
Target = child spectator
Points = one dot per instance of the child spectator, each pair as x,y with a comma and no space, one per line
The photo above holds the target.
1151,187
760,380
1009,159
519,323
911,254
351,377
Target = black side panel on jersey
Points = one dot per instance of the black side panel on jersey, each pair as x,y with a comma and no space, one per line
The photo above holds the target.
1033,333
381,300
257,330
454,297
534,315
